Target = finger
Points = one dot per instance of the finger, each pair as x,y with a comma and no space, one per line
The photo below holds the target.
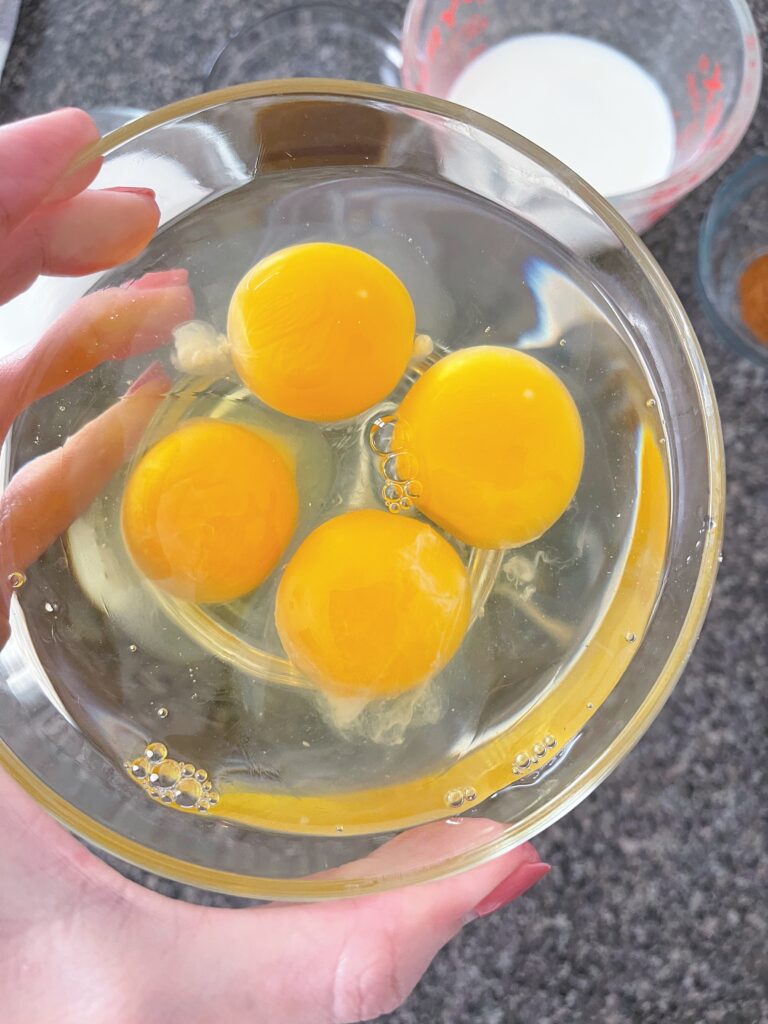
111,324
35,156
92,231
350,960
46,496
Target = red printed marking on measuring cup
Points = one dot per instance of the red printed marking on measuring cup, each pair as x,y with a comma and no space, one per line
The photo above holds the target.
434,42
704,87
448,16
449,13
713,84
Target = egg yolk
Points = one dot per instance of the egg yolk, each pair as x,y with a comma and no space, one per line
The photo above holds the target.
321,331
372,605
493,446
209,510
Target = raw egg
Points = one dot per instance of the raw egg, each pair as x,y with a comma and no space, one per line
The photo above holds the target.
321,331
489,445
209,510
372,605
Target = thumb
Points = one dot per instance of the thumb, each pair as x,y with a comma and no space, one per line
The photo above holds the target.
351,960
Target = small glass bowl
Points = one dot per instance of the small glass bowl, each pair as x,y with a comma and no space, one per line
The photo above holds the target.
733,234
317,39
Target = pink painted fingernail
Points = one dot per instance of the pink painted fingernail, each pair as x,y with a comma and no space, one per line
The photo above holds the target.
154,372
148,193
520,881
160,279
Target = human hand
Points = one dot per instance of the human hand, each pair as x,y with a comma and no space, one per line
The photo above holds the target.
78,942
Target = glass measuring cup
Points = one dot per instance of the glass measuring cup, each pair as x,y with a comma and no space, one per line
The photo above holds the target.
705,58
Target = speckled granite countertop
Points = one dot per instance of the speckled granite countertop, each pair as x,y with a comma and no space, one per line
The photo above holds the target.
655,910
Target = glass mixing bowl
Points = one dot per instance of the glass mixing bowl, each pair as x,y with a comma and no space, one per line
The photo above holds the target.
481,225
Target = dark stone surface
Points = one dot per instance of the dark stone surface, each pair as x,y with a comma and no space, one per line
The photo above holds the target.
656,908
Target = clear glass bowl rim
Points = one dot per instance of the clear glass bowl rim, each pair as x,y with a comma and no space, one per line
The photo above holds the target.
312,889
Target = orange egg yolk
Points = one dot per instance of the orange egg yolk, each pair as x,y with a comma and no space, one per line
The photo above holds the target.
321,331
372,605
491,445
209,510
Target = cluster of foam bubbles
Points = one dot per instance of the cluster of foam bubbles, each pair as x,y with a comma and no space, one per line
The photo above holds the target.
389,440
172,782
539,751
458,797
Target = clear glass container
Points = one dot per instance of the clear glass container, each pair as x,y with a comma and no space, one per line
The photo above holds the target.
705,58
733,234
313,39
576,639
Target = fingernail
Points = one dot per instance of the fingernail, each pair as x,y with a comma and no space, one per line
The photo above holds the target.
153,373
520,881
149,193
160,279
